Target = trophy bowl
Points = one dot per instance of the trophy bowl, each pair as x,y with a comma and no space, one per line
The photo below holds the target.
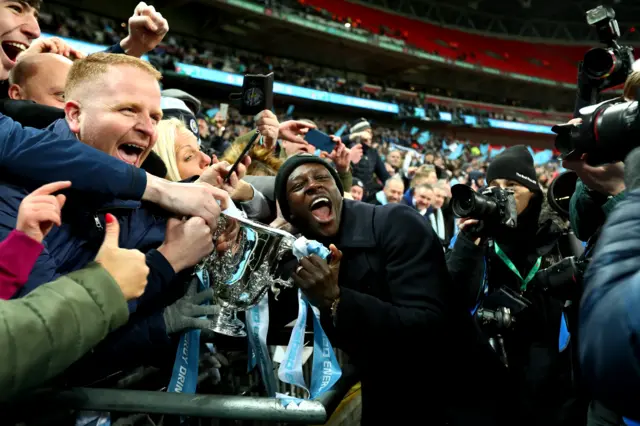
243,274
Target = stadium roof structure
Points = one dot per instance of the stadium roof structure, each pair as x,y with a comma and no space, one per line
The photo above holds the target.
556,21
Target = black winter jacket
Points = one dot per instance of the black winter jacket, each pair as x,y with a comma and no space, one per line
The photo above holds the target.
400,320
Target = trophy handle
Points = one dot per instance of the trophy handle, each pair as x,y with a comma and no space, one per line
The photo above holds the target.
285,246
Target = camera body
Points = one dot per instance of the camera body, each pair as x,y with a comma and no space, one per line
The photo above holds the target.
494,205
606,67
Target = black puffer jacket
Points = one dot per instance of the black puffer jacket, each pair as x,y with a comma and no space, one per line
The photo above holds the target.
541,374
367,169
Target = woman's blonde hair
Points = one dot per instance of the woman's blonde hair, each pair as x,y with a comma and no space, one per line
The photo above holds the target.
631,85
165,146
263,160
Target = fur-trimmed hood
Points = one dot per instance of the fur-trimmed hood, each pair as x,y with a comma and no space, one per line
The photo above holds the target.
548,214
551,228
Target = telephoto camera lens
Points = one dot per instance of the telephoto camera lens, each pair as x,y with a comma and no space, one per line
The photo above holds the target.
466,202
600,63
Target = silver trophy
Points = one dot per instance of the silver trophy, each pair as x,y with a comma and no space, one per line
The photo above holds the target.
244,273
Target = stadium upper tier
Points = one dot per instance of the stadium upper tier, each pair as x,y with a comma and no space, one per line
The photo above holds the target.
553,62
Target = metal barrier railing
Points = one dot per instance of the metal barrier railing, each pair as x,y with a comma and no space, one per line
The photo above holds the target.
316,411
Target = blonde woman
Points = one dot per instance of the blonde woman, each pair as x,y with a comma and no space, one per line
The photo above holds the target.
178,148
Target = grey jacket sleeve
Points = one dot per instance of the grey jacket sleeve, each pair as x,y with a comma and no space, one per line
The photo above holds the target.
258,207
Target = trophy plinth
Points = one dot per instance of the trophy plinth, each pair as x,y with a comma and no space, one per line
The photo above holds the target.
227,323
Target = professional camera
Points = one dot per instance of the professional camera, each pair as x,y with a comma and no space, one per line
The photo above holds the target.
610,66
498,314
563,279
500,317
609,131
494,205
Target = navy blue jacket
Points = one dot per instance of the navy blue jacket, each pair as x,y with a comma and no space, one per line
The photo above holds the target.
32,157
610,312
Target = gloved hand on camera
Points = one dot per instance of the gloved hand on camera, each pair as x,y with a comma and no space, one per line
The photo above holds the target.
474,229
185,313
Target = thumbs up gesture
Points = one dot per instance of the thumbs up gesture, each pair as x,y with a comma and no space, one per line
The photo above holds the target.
127,267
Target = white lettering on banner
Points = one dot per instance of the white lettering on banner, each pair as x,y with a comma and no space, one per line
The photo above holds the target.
327,372
326,347
182,373
185,351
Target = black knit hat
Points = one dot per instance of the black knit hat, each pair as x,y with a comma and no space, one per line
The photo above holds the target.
516,164
285,171
360,126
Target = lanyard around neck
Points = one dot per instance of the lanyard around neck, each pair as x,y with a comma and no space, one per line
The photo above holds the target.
503,256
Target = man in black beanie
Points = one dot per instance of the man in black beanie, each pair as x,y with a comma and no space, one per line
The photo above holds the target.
488,267
370,169
385,294
514,169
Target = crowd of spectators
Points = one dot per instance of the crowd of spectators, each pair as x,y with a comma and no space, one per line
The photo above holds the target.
86,26
437,147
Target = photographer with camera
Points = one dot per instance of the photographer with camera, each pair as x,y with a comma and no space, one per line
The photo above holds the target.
508,234
594,145
599,188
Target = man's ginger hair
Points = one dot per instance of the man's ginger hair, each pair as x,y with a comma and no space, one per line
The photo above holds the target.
89,69
631,85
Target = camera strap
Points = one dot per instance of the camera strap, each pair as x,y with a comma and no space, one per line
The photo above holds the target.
503,256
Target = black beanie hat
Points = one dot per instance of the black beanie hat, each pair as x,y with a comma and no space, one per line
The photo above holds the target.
288,167
516,164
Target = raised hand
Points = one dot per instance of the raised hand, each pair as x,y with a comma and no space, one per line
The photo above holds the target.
293,131
147,28
268,127
53,45
340,156
40,210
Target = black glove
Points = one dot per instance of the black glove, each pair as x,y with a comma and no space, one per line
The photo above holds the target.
185,313
475,231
